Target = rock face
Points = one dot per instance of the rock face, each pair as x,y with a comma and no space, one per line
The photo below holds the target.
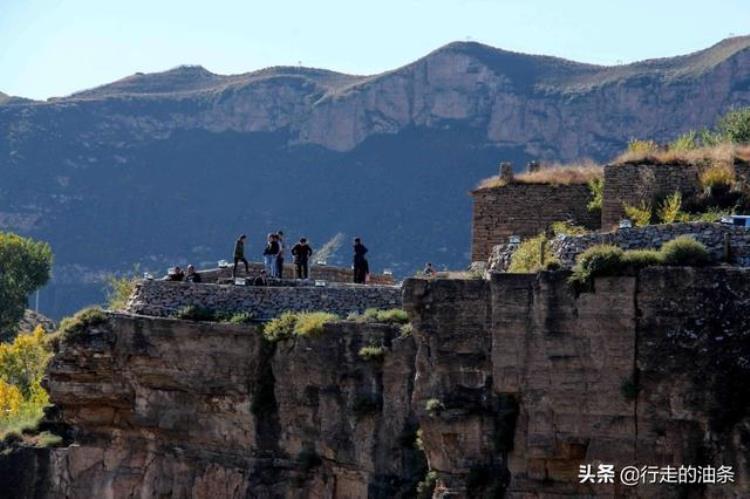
198,158
527,381
513,384
164,408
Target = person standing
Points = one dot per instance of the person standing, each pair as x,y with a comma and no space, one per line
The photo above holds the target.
270,253
301,253
239,254
361,267
280,255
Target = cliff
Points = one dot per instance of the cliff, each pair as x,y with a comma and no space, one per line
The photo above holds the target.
513,384
186,152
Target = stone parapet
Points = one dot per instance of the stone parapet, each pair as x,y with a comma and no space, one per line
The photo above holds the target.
165,298
712,235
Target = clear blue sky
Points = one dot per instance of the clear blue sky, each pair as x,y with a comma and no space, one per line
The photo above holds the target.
54,47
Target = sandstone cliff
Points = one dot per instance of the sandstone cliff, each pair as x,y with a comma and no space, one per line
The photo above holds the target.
513,383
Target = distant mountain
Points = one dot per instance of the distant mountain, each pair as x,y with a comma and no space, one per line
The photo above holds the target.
168,167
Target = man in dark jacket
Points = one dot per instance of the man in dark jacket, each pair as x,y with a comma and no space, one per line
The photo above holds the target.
301,253
239,254
361,267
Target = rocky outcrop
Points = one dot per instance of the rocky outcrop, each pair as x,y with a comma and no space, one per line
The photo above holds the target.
509,386
183,409
521,381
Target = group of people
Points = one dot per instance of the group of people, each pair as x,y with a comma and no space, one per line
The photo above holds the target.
275,251
274,256
177,274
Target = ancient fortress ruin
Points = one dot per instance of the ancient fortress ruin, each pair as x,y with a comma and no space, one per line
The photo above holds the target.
501,386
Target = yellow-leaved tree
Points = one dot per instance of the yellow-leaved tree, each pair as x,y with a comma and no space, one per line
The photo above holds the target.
22,365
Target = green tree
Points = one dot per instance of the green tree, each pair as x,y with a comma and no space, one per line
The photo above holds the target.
25,266
735,126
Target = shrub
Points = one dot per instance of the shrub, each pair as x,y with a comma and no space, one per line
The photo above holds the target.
433,406
640,215
638,259
685,142
567,228
684,251
407,330
281,327
669,209
372,352
392,316
22,365
528,256
88,317
240,318
297,324
598,260
734,126
596,186
196,313
118,291
717,177
642,147
311,323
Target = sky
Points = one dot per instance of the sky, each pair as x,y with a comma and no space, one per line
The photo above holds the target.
55,47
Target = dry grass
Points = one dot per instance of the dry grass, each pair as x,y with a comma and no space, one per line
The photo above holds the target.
554,174
723,154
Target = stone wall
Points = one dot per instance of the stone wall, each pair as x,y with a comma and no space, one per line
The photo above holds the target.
653,236
525,210
633,183
165,298
321,272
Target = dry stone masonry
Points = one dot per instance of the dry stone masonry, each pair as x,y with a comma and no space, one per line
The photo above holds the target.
165,298
712,235
634,183
525,210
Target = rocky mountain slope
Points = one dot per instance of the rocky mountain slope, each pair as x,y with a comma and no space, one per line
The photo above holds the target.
174,165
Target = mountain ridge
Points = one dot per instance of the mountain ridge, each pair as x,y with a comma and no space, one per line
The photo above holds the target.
695,61
168,168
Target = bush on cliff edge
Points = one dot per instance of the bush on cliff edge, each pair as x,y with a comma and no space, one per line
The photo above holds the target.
607,260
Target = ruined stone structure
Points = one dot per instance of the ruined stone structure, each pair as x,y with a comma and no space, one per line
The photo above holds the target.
525,210
165,298
636,183
319,272
714,236
514,383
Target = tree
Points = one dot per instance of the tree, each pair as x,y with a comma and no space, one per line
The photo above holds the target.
735,126
25,266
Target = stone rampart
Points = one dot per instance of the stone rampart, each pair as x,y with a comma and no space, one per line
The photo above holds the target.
316,272
164,298
566,248
525,210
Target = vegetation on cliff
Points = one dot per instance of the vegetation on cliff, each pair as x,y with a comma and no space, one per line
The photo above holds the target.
535,253
25,266
22,365
607,260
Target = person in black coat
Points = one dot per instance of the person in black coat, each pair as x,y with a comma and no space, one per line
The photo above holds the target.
301,253
239,254
361,267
